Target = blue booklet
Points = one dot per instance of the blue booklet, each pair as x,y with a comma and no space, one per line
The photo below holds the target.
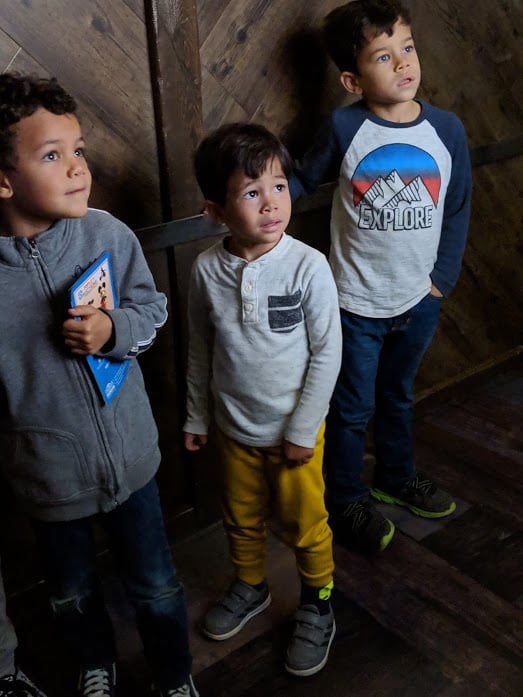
96,287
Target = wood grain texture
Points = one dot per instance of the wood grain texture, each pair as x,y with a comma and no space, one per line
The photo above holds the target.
261,62
98,52
176,81
437,615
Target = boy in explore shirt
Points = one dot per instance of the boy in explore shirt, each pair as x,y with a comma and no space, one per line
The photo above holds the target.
399,222
265,335
68,456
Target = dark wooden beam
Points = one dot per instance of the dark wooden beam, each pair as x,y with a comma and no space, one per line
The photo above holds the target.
174,56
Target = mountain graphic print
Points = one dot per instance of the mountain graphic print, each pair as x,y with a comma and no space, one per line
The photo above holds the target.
396,187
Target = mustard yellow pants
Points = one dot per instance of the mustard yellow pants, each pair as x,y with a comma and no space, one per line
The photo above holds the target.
257,479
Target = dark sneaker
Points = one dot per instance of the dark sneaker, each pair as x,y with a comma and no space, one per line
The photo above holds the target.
241,603
186,690
310,644
97,682
18,685
421,496
360,526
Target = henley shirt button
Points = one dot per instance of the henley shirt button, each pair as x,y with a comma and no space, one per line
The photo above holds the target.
248,287
248,307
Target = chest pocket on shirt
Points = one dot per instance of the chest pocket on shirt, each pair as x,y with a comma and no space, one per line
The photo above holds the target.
285,312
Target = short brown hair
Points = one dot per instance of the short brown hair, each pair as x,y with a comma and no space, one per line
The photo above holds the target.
245,146
347,28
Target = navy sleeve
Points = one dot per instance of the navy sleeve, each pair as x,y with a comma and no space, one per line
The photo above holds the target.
456,214
320,164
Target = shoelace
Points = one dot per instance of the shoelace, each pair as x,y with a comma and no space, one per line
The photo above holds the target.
358,512
96,683
11,686
426,486
182,691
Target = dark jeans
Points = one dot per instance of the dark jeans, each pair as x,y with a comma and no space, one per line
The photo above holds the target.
380,361
139,545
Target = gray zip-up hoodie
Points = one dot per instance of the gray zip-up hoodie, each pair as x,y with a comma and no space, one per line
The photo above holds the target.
65,453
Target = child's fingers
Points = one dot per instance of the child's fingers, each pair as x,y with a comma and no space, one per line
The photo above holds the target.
82,311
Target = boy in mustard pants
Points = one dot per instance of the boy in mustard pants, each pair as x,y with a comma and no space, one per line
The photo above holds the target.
265,335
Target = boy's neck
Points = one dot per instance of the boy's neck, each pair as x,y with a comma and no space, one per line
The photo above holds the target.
22,229
402,112
248,252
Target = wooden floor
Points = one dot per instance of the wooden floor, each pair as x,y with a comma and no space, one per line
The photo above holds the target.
438,614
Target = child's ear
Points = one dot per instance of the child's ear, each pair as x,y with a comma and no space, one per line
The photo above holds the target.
215,211
350,82
6,190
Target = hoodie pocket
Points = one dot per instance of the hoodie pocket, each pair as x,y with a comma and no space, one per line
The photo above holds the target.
43,465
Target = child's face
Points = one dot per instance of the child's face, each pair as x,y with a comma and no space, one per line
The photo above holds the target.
256,211
51,179
389,72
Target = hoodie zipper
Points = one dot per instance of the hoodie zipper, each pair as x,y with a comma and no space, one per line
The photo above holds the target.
35,254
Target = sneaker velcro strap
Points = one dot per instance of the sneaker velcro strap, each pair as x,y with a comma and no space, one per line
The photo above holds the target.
310,627
312,635
239,594
307,617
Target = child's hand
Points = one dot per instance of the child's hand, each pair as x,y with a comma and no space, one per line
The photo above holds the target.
90,333
296,454
435,292
193,441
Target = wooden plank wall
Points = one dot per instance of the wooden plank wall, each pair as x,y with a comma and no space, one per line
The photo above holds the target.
98,51
260,60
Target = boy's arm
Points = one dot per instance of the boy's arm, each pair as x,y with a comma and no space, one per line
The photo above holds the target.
320,164
198,363
456,218
141,311
322,317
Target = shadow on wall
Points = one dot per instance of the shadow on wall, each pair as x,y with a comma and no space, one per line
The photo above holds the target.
137,204
307,65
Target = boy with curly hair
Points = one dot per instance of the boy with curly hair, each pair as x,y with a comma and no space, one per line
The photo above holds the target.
69,456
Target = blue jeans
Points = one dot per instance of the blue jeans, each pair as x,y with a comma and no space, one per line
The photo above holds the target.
140,548
380,361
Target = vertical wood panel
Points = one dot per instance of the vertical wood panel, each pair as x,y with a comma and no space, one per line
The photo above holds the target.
176,81
98,52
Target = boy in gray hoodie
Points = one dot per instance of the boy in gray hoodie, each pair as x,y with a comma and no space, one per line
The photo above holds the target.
68,455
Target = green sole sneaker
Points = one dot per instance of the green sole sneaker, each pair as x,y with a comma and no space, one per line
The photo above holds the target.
421,496
361,527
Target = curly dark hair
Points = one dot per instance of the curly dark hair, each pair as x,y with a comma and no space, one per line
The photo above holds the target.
347,28
21,96
242,145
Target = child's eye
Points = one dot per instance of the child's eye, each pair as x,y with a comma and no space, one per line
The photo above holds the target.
51,156
250,194
279,188
383,58
409,49
79,152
